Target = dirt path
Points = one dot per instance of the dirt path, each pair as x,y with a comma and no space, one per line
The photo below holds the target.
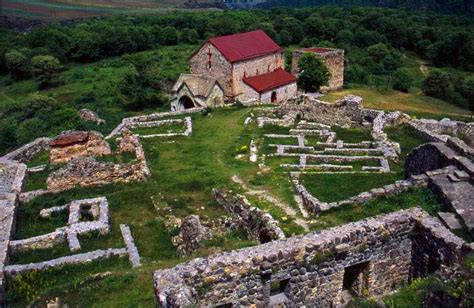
275,201
423,68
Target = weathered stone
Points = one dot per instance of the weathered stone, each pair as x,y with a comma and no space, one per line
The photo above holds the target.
414,235
260,225
89,115
74,144
192,233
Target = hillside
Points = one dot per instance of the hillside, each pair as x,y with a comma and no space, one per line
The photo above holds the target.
462,7
60,9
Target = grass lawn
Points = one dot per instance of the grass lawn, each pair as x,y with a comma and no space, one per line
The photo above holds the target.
415,104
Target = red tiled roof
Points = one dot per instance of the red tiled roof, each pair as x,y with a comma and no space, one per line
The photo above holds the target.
245,46
269,81
318,49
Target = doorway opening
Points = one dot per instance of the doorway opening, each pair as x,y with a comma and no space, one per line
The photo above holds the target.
356,278
274,97
186,102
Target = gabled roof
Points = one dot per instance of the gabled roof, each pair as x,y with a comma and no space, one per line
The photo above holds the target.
199,85
270,81
245,46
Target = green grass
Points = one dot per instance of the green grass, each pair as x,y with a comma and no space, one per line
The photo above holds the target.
423,198
414,104
336,187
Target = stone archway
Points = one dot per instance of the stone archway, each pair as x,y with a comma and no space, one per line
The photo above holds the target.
186,102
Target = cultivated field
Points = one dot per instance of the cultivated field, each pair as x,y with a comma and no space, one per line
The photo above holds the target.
51,9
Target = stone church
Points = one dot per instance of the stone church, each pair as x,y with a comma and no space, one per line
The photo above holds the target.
248,67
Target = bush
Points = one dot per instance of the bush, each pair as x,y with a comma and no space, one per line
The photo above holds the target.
314,73
17,64
437,84
402,80
45,69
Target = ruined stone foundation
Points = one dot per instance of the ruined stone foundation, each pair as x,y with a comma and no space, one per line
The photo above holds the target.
369,258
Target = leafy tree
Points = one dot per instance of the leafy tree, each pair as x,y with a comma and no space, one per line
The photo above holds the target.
190,36
377,52
314,73
437,84
45,68
402,80
390,63
85,45
168,36
17,64
467,91
284,38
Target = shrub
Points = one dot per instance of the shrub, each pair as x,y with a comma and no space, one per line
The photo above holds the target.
17,64
402,80
45,69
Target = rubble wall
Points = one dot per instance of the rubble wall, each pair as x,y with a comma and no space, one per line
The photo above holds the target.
28,151
313,267
260,225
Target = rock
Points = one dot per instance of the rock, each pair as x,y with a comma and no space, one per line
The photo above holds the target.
74,144
89,115
192,233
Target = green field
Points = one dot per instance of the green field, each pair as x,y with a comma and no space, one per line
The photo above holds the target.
65,9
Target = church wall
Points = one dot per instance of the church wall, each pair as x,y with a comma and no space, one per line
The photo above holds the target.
282,93
254,67
220,68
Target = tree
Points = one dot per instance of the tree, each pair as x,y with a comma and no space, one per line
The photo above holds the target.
314,73
437,84
17,64
46,69
390,63
402,80
190,36
168,36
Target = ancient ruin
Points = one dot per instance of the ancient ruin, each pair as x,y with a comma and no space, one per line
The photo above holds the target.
369,257
332,58
74,144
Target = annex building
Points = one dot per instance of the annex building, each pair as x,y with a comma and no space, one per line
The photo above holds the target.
246,66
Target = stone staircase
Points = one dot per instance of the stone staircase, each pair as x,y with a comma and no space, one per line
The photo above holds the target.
455,188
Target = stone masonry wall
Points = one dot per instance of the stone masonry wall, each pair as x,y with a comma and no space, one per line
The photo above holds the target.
28,151
370,257
334,62
282,93
260,225
254,67
220,69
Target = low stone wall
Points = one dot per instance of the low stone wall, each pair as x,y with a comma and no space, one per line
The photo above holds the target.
28,151
13,270
315,206
440,131
127,122
260,225
370,258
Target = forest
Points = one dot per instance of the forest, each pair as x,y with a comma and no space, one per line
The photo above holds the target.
377,43
462,7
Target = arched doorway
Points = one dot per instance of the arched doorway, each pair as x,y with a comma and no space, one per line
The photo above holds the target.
274,97
186,102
